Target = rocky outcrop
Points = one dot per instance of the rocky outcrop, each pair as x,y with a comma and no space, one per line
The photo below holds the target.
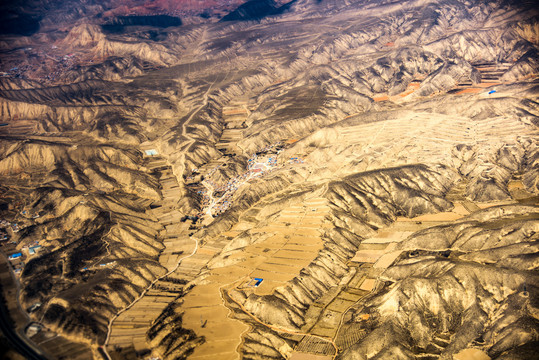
88,213
376,198
82,168
462,295
169,338
112,69
527,64
84,35
360,204
107,259
447,77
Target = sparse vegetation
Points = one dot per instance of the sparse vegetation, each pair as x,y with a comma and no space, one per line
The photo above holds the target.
349,178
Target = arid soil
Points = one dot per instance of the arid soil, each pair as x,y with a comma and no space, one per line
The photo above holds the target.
268,180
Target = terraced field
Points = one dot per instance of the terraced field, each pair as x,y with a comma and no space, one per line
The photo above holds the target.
285,180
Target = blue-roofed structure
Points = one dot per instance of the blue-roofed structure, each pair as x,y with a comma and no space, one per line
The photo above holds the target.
255,282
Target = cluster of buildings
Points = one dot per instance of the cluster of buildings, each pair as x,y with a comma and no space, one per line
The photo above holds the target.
226,192
46,65
16,257
260,163
107,264
5,226
220,197
295,160
27,214
17,71
4,236
62,64
15,227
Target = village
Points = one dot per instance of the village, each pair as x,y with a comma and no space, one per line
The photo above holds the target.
218,198
17,256
46,64
12,262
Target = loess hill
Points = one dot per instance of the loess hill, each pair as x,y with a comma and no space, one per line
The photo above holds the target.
375,163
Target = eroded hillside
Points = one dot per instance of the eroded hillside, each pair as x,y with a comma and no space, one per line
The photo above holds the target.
351,180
